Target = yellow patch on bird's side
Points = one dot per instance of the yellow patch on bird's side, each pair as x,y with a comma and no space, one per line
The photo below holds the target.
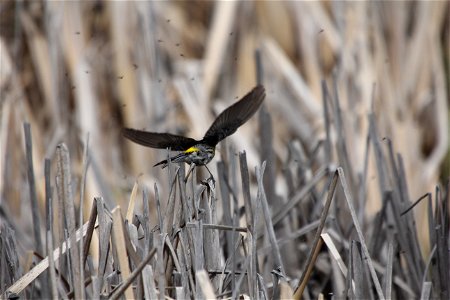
190,150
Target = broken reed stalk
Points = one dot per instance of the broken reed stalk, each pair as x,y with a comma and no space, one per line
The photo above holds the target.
64,186
317,240
36,271
32,189
49,229
34,203
124,286
268,219
81,209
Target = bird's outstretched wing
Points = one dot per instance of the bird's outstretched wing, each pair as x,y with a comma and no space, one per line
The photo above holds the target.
234,116
158,140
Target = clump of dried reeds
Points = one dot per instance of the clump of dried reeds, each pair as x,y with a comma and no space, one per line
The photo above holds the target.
344,200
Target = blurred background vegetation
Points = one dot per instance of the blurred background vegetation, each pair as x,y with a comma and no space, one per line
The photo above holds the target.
76,68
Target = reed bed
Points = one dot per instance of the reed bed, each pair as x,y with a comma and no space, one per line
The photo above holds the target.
337,188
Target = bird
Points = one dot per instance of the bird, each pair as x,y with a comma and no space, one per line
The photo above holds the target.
201,152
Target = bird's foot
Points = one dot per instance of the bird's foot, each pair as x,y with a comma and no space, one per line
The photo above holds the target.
210,181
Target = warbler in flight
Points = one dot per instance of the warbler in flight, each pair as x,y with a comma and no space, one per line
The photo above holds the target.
201,152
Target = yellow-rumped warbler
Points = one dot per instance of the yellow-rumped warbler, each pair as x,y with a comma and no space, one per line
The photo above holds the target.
201,152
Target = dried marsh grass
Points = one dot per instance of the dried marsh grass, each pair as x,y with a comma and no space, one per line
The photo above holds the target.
338,187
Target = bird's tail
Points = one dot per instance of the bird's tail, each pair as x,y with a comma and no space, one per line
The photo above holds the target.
175,159
163,163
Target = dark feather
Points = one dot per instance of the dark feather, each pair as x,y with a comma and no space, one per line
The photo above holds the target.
158,140
163,163
234,116
175,159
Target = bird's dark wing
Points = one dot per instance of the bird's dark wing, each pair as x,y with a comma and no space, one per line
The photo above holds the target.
234,116
158,140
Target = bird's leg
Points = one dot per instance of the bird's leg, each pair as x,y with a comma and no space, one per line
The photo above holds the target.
211,177
191,168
